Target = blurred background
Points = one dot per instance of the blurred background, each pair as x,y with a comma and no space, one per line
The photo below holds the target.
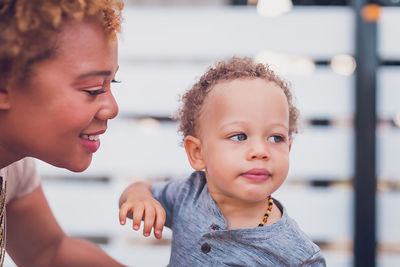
342,59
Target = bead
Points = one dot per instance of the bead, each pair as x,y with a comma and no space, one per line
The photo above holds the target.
268,211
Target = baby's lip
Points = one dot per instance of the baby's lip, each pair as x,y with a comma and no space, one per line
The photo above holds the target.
257,175
257,171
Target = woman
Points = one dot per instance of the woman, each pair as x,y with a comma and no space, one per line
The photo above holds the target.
57,60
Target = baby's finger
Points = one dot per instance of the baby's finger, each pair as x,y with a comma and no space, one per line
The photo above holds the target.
149,216
137,216
122,213
159,223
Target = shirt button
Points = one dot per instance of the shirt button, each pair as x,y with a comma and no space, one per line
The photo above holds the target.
205,248
214,227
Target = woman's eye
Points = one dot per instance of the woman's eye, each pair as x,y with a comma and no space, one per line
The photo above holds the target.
238,137
276,139
95,92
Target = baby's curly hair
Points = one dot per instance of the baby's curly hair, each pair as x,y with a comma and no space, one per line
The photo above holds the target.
236,68
29,29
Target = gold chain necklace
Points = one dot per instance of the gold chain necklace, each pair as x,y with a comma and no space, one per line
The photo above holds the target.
2,220
267,212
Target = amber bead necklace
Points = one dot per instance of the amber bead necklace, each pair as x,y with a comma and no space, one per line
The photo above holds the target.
267,212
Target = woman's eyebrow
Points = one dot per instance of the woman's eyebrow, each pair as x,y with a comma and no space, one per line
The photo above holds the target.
94,73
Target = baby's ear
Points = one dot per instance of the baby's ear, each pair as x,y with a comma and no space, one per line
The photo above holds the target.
193,151
4,99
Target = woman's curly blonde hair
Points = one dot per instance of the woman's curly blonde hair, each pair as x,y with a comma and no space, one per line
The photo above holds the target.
236,68
29,29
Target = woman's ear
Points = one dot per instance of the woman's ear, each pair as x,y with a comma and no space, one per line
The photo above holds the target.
4,99
193,152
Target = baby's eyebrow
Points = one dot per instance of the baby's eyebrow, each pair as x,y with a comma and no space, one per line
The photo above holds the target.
232,123
280,125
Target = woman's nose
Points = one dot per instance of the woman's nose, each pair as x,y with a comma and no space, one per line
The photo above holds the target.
109,107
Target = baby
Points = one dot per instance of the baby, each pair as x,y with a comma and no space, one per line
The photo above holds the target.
238,123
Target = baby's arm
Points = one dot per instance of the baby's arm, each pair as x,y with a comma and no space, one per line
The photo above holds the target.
137,202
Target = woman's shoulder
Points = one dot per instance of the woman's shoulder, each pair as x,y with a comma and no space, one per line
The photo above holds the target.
20,166
21,178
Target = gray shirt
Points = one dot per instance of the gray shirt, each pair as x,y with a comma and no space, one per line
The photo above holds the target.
200,237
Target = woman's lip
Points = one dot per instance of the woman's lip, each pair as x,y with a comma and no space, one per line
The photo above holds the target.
95,133
91,145
257,175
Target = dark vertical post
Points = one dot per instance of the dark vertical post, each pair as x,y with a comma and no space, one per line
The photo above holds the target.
239,2
365,140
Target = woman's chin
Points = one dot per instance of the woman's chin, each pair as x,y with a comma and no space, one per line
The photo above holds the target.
78,168
74,166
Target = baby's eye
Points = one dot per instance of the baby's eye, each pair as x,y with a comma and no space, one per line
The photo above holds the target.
95,92
276,139
238,137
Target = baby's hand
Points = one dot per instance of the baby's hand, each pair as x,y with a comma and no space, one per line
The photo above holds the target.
144,208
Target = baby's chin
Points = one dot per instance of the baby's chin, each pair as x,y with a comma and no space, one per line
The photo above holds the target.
256,196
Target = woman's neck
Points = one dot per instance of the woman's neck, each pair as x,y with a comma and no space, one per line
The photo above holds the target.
6,158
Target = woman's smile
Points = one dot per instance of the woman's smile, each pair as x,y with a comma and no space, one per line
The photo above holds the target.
91,141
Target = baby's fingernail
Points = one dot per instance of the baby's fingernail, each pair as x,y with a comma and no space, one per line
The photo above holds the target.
146,234
122,222
158,231
136,227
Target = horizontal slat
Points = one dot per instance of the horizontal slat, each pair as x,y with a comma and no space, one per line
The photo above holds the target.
84,209
139,255
131,149
323,214
322,153
388,92
389,33
209,32
128,149
317,153
388,154
324,94
90,210
154,89
388,219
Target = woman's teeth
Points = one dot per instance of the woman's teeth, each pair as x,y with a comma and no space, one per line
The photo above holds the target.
90,137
